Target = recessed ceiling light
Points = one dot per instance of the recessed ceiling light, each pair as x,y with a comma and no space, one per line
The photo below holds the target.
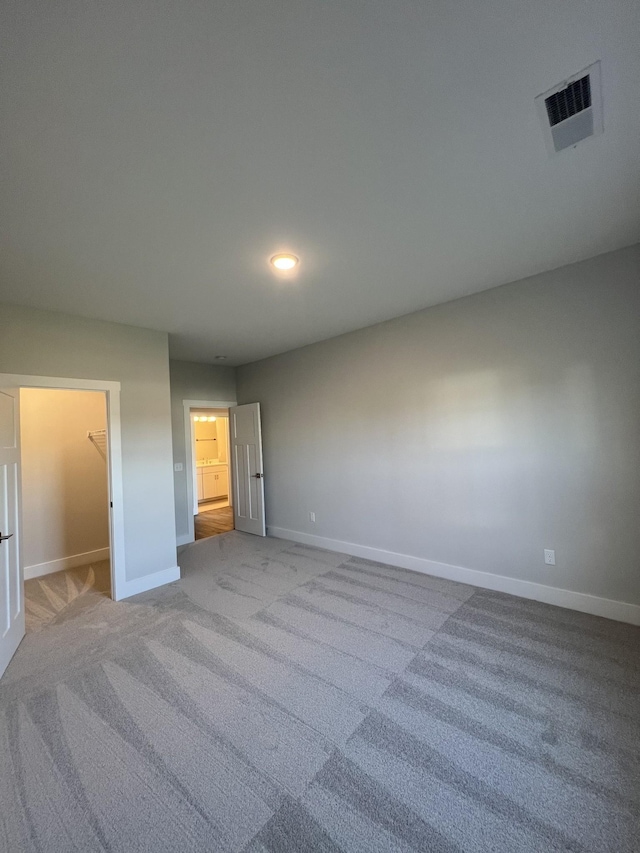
284,261
221,358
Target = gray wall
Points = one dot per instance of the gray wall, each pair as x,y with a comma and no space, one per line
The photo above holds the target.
191,381
44,343
476,433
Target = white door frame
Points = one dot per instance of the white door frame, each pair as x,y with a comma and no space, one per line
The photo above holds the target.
199,404
114,466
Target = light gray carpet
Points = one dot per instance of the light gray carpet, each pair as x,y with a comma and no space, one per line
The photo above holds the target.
47,598
280,698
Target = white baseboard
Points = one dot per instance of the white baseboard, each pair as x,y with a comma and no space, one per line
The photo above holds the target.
185,539
147,582
610,609
72,562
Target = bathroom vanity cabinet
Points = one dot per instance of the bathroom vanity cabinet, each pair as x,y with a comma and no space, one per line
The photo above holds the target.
213,482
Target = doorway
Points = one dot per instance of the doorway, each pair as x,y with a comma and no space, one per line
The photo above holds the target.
12,617
65,501
211,471
245,469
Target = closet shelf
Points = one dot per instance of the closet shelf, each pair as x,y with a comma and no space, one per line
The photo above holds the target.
98,437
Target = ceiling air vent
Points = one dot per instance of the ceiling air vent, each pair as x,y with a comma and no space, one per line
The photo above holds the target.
572,110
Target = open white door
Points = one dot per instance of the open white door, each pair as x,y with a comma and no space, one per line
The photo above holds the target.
248,482
11,594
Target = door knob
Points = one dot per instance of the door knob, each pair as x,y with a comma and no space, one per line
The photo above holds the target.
2,538
258,476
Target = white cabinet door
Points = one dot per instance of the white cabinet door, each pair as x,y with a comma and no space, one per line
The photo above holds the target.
200,487
208,484
223,483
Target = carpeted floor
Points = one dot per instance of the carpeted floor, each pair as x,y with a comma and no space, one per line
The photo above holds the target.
280,698
47,599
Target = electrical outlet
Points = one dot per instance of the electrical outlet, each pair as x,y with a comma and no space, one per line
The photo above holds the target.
177,466
549,557
312,517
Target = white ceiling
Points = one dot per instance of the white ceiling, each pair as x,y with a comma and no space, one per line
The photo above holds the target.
154,154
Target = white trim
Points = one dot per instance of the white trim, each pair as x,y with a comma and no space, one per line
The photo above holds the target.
585,603
187,405
26,381
38,570
114,446
116,491
147,582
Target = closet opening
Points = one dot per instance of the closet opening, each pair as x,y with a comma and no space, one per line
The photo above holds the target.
65,502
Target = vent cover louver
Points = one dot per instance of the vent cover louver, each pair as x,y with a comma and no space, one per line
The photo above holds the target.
572,111
570,101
